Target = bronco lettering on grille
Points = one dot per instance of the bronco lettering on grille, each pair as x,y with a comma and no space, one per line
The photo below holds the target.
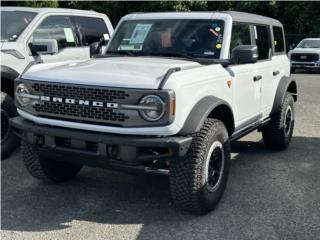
79,102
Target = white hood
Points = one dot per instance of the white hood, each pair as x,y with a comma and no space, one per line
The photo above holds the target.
305,50
129,72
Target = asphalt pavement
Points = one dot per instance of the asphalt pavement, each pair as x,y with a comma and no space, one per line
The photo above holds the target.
270,195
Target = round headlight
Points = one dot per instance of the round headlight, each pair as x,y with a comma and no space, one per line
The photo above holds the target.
154,108
21,92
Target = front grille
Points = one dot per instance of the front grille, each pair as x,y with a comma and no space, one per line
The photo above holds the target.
76,112
304,57
55,103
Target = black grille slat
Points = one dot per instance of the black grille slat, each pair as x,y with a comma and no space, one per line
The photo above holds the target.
95,94
79,111
304,57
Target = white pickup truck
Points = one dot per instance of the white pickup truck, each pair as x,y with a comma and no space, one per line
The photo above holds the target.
168,96
27,31
306,55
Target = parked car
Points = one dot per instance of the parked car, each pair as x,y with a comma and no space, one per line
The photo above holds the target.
25,31
179,87
306,55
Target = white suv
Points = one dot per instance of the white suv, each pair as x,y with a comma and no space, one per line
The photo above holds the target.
64,34
168,96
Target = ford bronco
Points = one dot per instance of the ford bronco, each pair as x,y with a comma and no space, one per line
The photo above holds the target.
170,93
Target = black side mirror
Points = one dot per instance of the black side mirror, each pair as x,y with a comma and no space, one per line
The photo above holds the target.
292,46
96,47
245,54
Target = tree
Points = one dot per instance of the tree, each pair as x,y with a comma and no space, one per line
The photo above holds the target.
300,18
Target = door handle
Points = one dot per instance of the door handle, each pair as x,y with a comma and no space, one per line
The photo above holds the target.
275,73
257,78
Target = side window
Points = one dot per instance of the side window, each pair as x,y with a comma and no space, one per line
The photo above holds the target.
240,35
263,41
278,39
59,28
90,29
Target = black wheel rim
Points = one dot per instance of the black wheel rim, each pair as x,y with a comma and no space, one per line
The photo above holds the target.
215,166
5,127
288,121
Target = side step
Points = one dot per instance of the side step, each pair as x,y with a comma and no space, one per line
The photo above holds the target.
242,132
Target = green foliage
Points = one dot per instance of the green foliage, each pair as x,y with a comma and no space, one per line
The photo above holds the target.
298,17
49,4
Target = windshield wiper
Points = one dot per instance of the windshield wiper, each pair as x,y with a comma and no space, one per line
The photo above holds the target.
121,52
169,54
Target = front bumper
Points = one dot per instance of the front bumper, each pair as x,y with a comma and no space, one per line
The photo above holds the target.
311,65
99,149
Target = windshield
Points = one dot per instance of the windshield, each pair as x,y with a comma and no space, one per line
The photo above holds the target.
13,23
309,44
172,38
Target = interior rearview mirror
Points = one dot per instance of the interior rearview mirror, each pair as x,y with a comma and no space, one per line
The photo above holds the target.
243,54
43,46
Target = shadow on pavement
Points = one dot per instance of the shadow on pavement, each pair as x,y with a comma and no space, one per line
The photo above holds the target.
269,194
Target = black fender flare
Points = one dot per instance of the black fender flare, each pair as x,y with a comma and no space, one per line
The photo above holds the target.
201,111
8,75
286,84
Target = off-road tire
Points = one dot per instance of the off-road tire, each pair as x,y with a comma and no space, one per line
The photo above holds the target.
9,141
44,169
188,180
275,136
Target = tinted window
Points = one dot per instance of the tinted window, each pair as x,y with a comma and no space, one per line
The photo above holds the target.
59,28
90,29
194,38
278,39
263,42
13,23
240,35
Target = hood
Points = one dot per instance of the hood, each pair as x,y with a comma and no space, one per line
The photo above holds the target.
130,72
305,50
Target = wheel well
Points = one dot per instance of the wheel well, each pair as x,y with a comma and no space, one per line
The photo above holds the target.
7,86
292,88
224,114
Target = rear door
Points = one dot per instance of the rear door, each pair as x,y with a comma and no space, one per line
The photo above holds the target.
246,89
265,66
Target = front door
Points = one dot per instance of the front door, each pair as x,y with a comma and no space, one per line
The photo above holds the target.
246,81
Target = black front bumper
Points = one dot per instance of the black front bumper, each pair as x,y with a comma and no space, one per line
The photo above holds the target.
305,65
95,148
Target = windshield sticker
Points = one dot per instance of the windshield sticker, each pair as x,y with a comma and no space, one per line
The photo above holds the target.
69,35
140,33
216,30
210,53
